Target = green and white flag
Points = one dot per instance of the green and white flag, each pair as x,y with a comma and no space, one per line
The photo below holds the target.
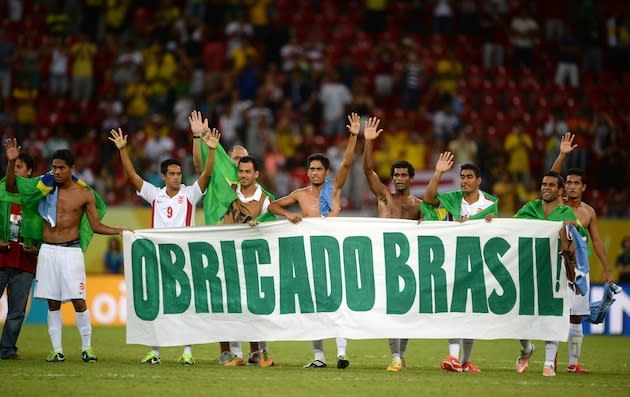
358,278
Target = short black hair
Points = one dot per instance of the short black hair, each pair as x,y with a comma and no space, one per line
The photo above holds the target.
250,159
65,155
27,159
402,164
558,176
579,172
164,165
470,166
318,156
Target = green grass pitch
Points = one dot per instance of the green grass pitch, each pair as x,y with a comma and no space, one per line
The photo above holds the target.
118,373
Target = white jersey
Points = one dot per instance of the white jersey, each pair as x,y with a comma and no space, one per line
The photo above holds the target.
476,207
176,211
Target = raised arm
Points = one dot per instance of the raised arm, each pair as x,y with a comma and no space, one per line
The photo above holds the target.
566,147
444,163
120,140
344,169
197,126
278,207
12,152
211,139
370,133
598,245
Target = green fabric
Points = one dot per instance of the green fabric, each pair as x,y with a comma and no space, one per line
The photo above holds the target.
32,192
534,210
32,224
219,194
451,203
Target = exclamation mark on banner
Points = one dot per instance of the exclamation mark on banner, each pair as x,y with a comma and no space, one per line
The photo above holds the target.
558,268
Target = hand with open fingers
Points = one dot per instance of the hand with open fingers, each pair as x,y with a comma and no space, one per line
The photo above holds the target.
12,149
370,131
566,144
211,137
355,124
197,123
119,139
445,162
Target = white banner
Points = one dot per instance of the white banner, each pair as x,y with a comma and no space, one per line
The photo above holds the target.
357,278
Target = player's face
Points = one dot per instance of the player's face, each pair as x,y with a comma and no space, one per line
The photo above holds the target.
468,181
574,187
61,170
173,176
21,169
317,173
246,174
401,179
549,189
237,154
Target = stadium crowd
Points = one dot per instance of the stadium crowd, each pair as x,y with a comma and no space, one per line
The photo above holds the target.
495,82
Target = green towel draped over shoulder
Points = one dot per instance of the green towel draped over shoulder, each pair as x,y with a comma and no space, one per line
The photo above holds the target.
451,203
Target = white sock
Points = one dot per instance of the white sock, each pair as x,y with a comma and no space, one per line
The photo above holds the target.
394,347
188,349
263,345
236,348
54,329
403,346
526,346
576,335
341,346
318,350
155,350
468,346
551,349
85,328
453,347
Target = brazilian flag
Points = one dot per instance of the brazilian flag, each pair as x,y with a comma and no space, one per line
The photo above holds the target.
34,190
219,194
32,224
451,203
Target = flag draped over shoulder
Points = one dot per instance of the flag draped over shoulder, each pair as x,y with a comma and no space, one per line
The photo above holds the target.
451,203
219,194
34,190
534,210
32,225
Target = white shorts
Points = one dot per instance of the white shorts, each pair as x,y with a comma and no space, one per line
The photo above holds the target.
580,304
60,273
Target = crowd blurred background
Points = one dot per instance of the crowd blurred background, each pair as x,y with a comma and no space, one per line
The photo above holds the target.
497,82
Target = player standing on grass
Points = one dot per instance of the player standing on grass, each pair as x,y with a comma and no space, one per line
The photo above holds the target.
322,198
580,304
60,273
173,205
400,204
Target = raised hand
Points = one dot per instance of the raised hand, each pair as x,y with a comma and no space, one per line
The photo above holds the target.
370,131
197,123
12,149
211,137
119,139
445,162
566,145
355,124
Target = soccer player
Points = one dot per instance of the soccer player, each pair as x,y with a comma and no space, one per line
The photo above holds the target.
399,204
322,198
580,305
60,275
20,237
549,207
173,205
468,203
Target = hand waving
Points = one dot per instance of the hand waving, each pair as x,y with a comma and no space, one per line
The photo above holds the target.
197,123
566,145
355,124
119,139
12,149
445,162
211,137
370,132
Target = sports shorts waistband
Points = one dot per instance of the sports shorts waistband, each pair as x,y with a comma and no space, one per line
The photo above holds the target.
73,243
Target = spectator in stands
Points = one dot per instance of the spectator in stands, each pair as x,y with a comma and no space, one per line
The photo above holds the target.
348,70
58,71
159,72
24,96
554,129
29,61
113,259
445,123
290,53
235,31
137,103
410,81
591,44
57,19
334,97
448,71
7,57
568,53
524,31
492,33
82,52
518,146
443,17
463,148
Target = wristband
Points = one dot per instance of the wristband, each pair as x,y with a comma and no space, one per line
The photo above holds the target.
196,136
